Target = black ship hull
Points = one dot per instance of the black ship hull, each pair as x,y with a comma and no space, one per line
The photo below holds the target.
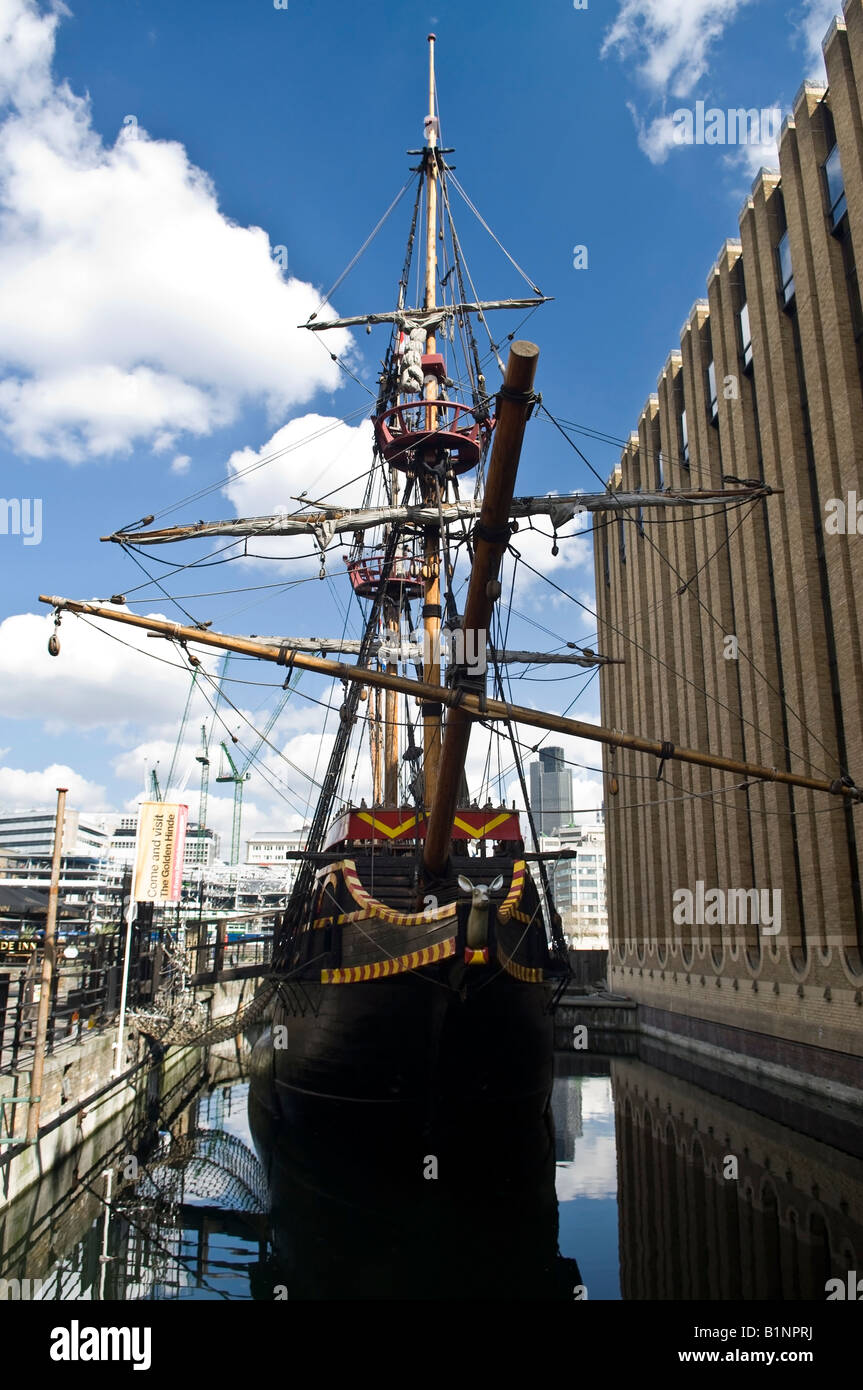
395,1010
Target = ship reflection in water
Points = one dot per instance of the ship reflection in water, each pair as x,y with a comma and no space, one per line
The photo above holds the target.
361,1209
630,1194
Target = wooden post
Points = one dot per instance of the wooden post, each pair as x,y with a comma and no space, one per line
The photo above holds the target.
391,724
491,540
48,961
221,939
375,698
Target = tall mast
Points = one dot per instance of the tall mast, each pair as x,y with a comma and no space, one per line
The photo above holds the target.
430,482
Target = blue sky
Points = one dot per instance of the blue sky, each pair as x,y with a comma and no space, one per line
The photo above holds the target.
147,334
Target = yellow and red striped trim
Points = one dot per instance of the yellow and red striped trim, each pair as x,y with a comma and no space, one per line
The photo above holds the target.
516,888
520,972
380,969
388,914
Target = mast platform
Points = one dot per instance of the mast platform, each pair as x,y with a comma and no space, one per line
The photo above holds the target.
403,429
366,576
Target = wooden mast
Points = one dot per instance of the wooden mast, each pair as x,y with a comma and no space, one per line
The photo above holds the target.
473,704
432,711
391,715
491,538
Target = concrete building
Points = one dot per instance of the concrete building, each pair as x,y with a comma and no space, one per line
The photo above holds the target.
273,847
578,885
32,832
755,621
91,890
550,791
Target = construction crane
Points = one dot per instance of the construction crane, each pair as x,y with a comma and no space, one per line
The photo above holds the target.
240,776
154,785
203,757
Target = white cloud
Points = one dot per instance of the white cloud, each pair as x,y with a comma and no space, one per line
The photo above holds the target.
332,464
181,464
672,38
812,26
116,258
20,790
95,683
655,137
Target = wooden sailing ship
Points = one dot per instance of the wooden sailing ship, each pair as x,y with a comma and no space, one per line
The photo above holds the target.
420,954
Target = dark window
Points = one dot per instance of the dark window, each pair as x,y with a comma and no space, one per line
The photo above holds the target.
786,272
605,563
621,539
745,336
711,392
835,183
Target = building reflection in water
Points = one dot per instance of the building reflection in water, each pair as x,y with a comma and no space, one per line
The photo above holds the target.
790,1219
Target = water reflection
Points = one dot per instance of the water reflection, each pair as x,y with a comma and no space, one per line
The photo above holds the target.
630,1194
462,1211
719,1202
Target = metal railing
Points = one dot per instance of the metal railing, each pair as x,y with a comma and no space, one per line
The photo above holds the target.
85,993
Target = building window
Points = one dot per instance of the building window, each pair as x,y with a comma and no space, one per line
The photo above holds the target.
786,272
606,565
835,182
621,539
711,392
684,439
745,336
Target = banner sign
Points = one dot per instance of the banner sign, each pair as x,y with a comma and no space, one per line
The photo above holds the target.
159,852
17,945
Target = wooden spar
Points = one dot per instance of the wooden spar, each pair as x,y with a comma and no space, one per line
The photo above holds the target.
335,521
473,704
432,713
491,538
419,318
350,646
375,697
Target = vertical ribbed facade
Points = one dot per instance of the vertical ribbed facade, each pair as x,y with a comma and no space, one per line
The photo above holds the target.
741,627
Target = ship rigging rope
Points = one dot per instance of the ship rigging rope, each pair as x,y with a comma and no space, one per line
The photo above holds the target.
686,587
366,244
250,468
605,485
583,810
603,438
524,275
262,737
678,675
